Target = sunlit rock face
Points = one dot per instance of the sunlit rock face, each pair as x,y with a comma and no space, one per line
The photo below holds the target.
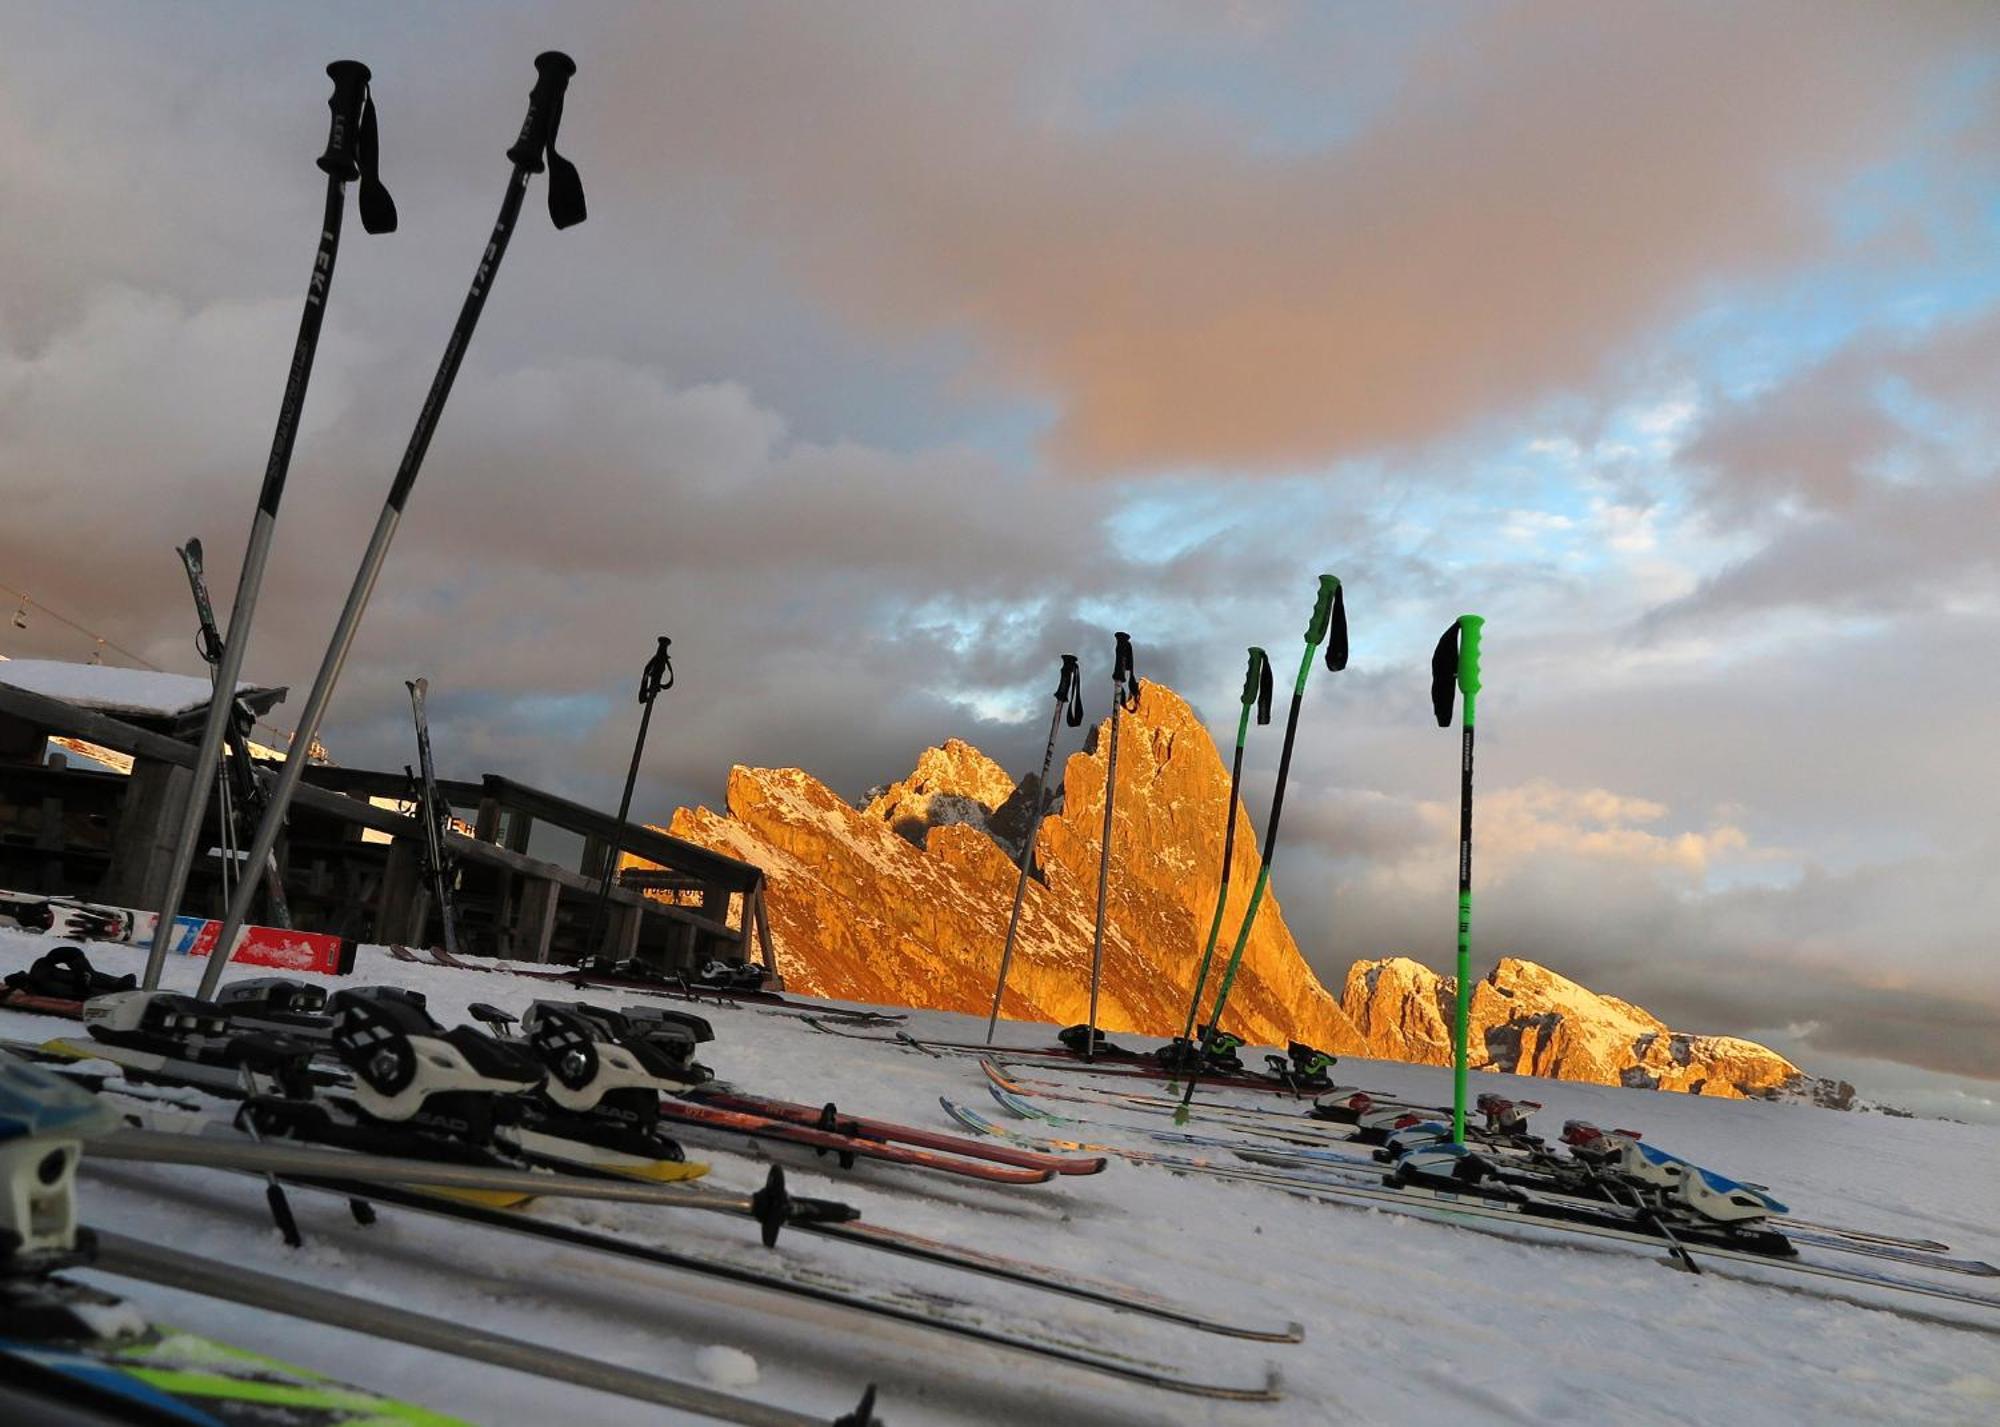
1527,1020
905,901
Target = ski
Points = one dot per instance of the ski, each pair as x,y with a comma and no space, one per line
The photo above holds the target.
1543,1174
282,947
827,1117
716,1126
1478,1213
809,1284
436,815
639,979
237,793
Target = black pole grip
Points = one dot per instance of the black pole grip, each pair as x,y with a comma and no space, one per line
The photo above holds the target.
1257,685
1069,689
658,674
553,69
342,159
1124,683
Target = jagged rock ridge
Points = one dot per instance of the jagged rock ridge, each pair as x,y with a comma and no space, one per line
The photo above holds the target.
905,901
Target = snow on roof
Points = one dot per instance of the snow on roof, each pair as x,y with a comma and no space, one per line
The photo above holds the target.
113,691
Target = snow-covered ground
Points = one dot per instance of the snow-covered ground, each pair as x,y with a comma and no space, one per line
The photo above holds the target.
1407,1321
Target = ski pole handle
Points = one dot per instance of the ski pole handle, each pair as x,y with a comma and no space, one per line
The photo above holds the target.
1468,654
553,69
1124,684
658,669
1257,684
1069,689
1322,610
342,159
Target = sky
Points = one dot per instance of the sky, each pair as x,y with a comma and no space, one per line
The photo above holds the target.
909,346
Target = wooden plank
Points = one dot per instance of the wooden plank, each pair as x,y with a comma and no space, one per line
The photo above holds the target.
674,852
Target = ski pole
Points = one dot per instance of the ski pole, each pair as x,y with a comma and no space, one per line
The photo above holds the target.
535,143
657,675
1069,703
436,814
1455,666
350,154
1328,624
1124,695
1257,695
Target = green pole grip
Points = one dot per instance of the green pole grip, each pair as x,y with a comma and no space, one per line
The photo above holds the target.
1322,611
1468,659
1254,677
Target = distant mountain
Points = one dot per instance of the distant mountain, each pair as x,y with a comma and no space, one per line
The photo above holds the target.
904,901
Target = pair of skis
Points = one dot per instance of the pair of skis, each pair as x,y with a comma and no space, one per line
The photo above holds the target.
351,153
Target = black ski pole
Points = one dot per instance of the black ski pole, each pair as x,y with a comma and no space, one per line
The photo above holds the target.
535,144
350,154
1124,695
1257,696
436,815
657,675
1328,623
1069,703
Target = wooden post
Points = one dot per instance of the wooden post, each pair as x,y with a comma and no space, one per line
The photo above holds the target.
402,881
535,921
142,849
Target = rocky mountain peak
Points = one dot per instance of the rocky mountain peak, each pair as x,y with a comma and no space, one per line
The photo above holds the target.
905,900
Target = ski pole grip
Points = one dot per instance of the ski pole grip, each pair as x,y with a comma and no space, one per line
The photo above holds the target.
1067,681
658,673
342,159
1322,609
1121,657
1257,679
1468,653
553,69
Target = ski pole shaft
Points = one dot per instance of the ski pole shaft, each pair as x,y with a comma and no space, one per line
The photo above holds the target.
1469,626
658,675
1068,698
349,154
1121,681
1256,695
537,138
1328,625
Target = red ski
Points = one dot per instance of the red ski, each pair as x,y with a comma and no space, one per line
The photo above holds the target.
278,947
846,1148
859,1127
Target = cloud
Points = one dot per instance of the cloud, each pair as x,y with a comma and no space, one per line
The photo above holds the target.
1537,190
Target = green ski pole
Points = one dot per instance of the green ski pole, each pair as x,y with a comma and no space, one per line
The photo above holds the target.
1455,666
1328,625
1256,695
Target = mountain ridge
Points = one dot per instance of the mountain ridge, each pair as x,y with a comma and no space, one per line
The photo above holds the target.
905,899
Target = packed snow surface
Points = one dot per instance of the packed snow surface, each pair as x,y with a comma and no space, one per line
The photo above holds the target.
1406,1321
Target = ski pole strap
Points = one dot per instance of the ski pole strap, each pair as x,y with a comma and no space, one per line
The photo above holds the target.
352,148
1444,675
1455,667
1124,683
658,675
1257,685
1069,689
1328,624
537,140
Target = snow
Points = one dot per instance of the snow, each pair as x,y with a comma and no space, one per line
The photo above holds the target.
1407,1321
724,1366
114,691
